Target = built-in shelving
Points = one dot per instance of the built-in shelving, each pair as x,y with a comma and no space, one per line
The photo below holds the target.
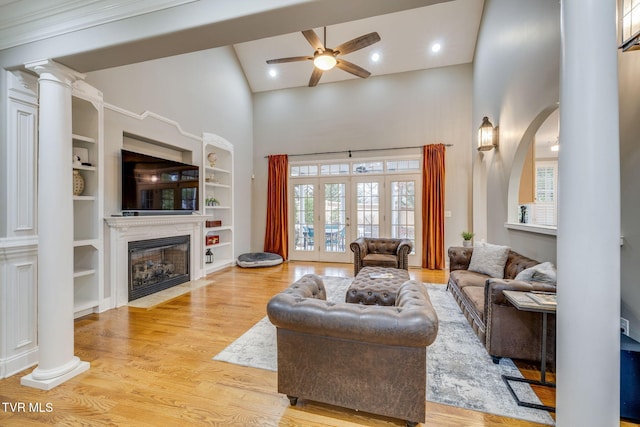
81,138
218,185
85,168
86,272
87,118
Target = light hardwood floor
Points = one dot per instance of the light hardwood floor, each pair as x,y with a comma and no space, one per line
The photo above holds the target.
154,367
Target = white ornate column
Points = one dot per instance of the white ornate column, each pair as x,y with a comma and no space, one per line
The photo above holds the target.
55,230
588,320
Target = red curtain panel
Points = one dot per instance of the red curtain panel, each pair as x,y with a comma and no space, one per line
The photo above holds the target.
276,238
433,176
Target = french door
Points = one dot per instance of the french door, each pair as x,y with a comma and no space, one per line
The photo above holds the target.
389,206
329,213
321,220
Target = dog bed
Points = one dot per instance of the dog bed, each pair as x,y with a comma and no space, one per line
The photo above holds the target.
259,259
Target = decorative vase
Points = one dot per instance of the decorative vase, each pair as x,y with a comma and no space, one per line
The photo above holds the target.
78,183
467,243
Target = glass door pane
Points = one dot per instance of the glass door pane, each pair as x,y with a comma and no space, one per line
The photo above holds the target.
368,209
303,201
335,217
403,218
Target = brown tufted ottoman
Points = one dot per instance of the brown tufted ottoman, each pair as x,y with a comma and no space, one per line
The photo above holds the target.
371,291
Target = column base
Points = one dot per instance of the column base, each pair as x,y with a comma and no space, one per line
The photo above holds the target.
48,384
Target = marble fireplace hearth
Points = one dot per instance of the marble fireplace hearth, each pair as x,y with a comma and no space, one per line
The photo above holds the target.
123,230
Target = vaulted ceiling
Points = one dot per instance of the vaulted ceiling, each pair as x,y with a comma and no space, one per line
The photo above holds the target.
407,38
257,30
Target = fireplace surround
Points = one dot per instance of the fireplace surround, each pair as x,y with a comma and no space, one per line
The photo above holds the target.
123,230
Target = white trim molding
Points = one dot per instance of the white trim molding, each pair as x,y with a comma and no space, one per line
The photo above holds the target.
532,228
125,229
26,22
18,295
153,115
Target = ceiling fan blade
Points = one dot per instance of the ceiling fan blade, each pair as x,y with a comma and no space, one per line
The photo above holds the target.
290,59
352,68
358,43
313,40
315,77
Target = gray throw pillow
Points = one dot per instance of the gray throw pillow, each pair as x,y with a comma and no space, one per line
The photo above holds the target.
543,273
489,259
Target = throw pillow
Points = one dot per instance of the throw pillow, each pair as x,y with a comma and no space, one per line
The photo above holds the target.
544,273
489,259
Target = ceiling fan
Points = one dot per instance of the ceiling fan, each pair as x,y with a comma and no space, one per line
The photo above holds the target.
325,59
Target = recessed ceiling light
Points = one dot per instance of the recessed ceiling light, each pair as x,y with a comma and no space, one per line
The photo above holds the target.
375,57
435,47
273,72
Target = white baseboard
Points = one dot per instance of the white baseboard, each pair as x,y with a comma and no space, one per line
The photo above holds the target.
12,365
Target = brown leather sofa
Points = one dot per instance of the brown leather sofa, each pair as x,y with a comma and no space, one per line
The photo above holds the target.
380,252
364,357
504,330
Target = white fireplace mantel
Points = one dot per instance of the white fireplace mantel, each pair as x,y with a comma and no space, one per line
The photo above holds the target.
125,229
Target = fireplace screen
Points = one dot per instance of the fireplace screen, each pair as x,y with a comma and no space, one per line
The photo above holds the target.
157,264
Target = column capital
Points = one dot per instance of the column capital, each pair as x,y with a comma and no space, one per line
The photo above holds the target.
48,69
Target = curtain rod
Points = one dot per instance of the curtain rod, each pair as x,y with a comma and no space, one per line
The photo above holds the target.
357,151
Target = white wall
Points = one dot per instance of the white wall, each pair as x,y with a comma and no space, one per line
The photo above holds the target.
516,77
409,109
202,91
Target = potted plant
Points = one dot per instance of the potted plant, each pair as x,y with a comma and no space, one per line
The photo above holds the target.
467,236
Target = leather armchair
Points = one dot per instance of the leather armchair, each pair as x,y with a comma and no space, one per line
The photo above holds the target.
380,252
364,357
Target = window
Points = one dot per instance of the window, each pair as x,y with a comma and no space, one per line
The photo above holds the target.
370,167
403,165
335,214
335,169
403,221
304,170
368,208
303,210
544,207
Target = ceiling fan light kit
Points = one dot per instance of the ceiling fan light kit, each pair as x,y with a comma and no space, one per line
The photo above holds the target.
325,59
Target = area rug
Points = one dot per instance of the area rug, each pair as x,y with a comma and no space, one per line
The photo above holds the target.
459,370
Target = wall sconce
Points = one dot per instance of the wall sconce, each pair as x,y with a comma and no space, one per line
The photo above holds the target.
487,135
629,25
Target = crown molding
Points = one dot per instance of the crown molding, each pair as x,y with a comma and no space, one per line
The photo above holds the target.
29,21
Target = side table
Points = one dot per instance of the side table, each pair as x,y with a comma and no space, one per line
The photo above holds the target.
522,301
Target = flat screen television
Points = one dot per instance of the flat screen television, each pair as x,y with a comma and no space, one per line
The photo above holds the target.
151,184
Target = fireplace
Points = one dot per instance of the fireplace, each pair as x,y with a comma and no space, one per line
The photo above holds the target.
157,264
